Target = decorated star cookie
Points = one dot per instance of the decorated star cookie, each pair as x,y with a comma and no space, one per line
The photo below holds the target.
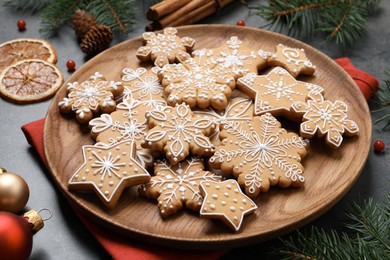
236,57
128,122
108,170
178,131
260,154
198,83
143,85
275,92
91,96
239,109
175,185
322,117
292,59
165,48
225,201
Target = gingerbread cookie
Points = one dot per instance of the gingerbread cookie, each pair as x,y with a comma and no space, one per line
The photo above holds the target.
225,201
260,154
198,83
236,57
292,59
128,122
143,85
178,131
175,185
239,109
91,96
275,92
323,117
108,170
165,48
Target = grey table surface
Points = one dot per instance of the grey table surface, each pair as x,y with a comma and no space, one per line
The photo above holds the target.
64,236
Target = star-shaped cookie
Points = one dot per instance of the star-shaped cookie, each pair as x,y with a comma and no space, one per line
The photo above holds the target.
108,170
275,92
324,118
292,59
225,201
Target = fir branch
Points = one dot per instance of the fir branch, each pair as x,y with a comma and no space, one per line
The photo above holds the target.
27,5
383,99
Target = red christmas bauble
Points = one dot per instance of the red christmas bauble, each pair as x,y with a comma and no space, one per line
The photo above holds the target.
240,23
21,25
379,146
15,237
71,65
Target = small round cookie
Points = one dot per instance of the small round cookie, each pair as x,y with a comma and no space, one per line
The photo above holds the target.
177,131
108,170
275,92
176,185
324,118
225,201
91,96
260,153
164,48
293,60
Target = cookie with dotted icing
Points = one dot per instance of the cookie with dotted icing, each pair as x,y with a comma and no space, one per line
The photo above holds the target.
176,185
324,118
143,85
292,59
128,122
108,170
197,82
260,154
177,131
225,201
164,48
238,109
275,92
91,97
236,57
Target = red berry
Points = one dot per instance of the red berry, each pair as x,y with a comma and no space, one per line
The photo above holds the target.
240,23
379,146
21,25
71,65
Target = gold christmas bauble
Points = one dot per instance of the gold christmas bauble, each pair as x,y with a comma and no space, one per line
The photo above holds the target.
14,192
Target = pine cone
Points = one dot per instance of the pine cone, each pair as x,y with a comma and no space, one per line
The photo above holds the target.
82,22
97,39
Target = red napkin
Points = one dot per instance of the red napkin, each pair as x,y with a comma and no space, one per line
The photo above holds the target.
122,248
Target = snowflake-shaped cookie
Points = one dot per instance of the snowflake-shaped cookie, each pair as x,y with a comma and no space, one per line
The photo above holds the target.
225,201
91,96
197,82
236,57
165,48
108,170
178,131
323,117
175,185
143,85
275,92
127,123
261,154
239,109
292,59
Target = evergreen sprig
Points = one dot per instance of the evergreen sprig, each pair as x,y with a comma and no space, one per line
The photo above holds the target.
383,99
368,236
27,5
342,20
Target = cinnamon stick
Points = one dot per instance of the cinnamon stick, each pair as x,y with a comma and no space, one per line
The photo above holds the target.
163,8
196,15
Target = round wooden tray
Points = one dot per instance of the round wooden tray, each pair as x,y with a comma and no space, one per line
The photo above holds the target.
329,174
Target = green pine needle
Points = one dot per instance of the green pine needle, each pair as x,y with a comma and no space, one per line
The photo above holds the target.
383,99
368,237
27,5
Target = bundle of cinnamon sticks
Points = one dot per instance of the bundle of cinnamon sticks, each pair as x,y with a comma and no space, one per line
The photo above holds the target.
171,13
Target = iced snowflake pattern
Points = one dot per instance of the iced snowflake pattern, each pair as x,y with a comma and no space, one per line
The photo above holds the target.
324,118
261,154
178,130
175,185
165,48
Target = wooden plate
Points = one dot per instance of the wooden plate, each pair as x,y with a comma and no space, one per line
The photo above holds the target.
329,174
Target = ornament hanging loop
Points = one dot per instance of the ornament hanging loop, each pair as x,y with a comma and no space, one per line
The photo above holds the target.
46,210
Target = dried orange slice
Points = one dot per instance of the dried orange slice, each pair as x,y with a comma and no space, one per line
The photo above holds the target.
30,81
26,48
